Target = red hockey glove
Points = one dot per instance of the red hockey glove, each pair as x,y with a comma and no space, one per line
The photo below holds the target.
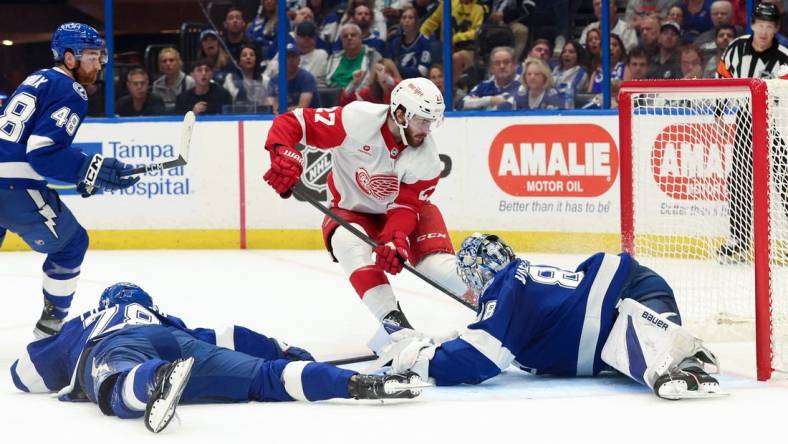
392,253
286,168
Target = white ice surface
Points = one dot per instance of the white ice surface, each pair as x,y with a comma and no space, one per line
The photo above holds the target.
303,298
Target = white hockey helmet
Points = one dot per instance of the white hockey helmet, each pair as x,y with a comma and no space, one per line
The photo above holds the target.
418,97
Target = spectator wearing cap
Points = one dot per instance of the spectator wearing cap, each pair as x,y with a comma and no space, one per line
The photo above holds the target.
301,85
218,58
139,101
665,64
409,49
206,97
174,81
313,59
353,56
246,85
619,27
262,30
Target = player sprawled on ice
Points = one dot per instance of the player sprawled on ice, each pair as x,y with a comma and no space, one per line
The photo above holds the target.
385,167
36,130
609,312
133,360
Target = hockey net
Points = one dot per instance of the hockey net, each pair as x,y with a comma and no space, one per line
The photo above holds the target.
688,149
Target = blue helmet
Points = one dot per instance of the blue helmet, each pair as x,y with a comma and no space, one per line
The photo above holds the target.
124,293
76,37
480,257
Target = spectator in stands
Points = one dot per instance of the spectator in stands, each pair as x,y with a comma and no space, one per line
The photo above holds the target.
467,17
353,56
541,49
206,97
262,30
211,49
234,36
691,62
393,11
313,60
514,14
377,23
362,16
665,64
383,79
139,102
618,56
504,83
570,74
725,34
174,81
649,34
637,65
247,87
639,9
436,75
304,14
721,14
620,27
326,19
301,85
697,17
536,90
409,48
594,49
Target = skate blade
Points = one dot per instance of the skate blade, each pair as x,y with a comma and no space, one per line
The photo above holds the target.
674,395
156,422
396,387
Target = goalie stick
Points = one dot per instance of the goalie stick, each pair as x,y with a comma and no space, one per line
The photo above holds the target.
341,221
352,360
183,153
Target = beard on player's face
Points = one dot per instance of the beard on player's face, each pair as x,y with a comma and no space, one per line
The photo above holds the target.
414,138
85,77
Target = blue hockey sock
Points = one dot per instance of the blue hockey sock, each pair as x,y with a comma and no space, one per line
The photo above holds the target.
315,381
133,389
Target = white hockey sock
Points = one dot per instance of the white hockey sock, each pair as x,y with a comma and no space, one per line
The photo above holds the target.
442,268
380,301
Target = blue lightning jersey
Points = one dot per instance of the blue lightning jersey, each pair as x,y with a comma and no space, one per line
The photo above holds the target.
36,130
543,319
50,364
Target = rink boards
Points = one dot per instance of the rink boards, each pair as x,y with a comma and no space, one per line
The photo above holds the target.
547,182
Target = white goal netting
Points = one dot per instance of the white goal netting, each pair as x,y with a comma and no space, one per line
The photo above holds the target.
692,202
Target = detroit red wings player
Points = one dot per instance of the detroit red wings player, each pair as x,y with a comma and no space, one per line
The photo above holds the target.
385,167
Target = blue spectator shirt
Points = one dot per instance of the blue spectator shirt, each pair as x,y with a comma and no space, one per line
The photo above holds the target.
488,88
413,60
550,100
301,83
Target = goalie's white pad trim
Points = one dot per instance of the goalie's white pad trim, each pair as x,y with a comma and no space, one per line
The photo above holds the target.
129,398
29,376
644,345
589,337
291,378
226,338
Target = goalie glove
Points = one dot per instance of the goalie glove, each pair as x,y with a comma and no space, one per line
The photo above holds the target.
286,168
392,253
414,355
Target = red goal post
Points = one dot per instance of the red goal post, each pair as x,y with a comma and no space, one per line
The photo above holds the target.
678,141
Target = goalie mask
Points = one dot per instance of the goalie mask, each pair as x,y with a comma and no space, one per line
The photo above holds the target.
124,293
479,258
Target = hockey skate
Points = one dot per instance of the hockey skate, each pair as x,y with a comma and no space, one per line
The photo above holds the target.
686,383
48,325
397,318
398,385
171,379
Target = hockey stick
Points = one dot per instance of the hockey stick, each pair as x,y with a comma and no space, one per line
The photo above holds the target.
183,153
359,234
353,360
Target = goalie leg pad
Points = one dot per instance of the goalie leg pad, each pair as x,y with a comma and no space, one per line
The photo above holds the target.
645,345
430,235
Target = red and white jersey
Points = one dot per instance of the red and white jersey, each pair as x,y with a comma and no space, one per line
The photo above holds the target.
371,173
